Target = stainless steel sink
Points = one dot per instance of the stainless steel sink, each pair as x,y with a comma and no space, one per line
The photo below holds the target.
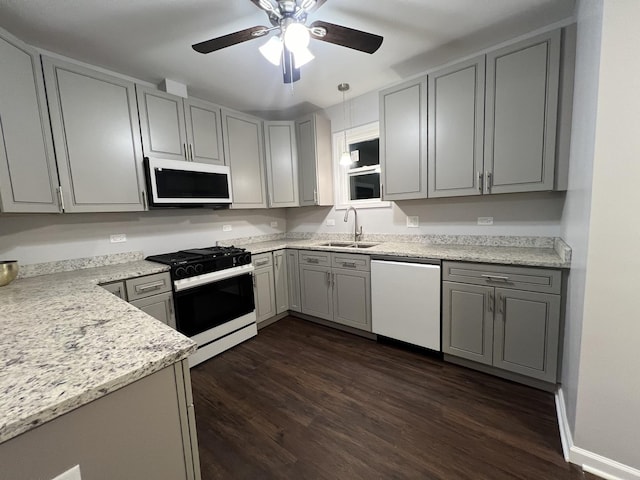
348,244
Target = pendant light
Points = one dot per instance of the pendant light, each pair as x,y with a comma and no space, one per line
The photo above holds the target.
345,157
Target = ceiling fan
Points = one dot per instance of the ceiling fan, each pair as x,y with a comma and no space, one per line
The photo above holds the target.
289,47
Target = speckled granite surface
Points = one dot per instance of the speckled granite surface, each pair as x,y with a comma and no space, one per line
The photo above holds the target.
66,341
526,253
32,270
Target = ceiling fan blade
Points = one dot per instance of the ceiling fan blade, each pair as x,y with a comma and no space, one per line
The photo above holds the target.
230,39
316,5
346,37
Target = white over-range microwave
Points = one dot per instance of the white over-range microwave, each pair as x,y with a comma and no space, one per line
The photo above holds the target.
174,183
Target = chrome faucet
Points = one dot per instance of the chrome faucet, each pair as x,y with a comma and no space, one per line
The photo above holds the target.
356,233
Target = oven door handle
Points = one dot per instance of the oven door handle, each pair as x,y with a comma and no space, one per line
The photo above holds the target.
198,280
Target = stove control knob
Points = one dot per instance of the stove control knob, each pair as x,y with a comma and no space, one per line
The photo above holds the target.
199,268
180,272
191,270
246,259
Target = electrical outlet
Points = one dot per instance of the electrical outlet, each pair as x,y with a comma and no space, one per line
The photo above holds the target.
413,221
226,228
274,224
118,238
71,474
485,220
331,222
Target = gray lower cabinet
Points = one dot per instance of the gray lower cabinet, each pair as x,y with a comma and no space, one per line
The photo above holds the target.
282,163
117,288
280,280
521,115
28,177
94,119
143,430
159,306
293,280
264,287
403,140
179,128
456,129
336,287
244,150
505,317
315,160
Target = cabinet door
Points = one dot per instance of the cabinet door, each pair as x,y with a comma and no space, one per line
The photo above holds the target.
293,280
456,127
204,131
352,298
159,307
162,124
282,163
280,274
521,110
117,288
526,333
313,135
244,150
264,293
467,321
28,178
315,291
403,141
94,119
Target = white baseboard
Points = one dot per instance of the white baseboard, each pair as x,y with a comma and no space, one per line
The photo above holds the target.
590,462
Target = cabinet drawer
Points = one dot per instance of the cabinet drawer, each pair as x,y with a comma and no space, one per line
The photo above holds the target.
314,258
142,287
262,260
351,261
519,278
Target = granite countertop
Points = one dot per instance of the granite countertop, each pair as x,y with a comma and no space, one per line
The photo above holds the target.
506,255
66,341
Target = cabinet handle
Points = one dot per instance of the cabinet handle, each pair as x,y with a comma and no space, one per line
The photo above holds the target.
496,278
144,199
491,302
253,279
333,279
275,259
149,286
349,264
191,152
171,310
315,196
382,191
489,176
480,182
502,300
312,260
186,152
329,278
261,262
61,196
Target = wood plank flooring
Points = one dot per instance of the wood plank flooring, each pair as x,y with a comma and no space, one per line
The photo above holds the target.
303,401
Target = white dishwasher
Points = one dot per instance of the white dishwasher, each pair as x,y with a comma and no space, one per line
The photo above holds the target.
405,300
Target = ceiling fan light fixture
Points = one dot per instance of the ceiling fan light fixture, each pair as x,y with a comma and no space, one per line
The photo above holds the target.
272,50
296,37
302,57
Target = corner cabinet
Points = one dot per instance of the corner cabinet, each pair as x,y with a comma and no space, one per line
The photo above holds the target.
179,129
94,119
315,160
504,317
244,149
282,163
28,177
293,280
403,141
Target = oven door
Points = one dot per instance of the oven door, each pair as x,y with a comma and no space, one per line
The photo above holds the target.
202,305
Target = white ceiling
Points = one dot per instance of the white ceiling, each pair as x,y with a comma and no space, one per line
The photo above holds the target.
151,40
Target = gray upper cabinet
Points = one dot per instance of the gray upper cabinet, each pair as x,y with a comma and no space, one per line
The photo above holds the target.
244,150
456,119
162,124
28,178
282,163
521,115
204,131
94,119
403,141
315,160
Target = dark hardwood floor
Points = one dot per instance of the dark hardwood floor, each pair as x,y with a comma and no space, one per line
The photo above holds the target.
302,401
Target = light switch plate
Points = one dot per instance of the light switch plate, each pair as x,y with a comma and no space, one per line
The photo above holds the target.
485,220
331,222
71,474
274,224
413,221
118,238
226,228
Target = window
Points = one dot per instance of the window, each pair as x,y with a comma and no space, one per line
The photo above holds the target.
359,183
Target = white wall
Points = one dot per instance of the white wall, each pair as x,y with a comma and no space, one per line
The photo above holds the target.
575,216
608,418
43,238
